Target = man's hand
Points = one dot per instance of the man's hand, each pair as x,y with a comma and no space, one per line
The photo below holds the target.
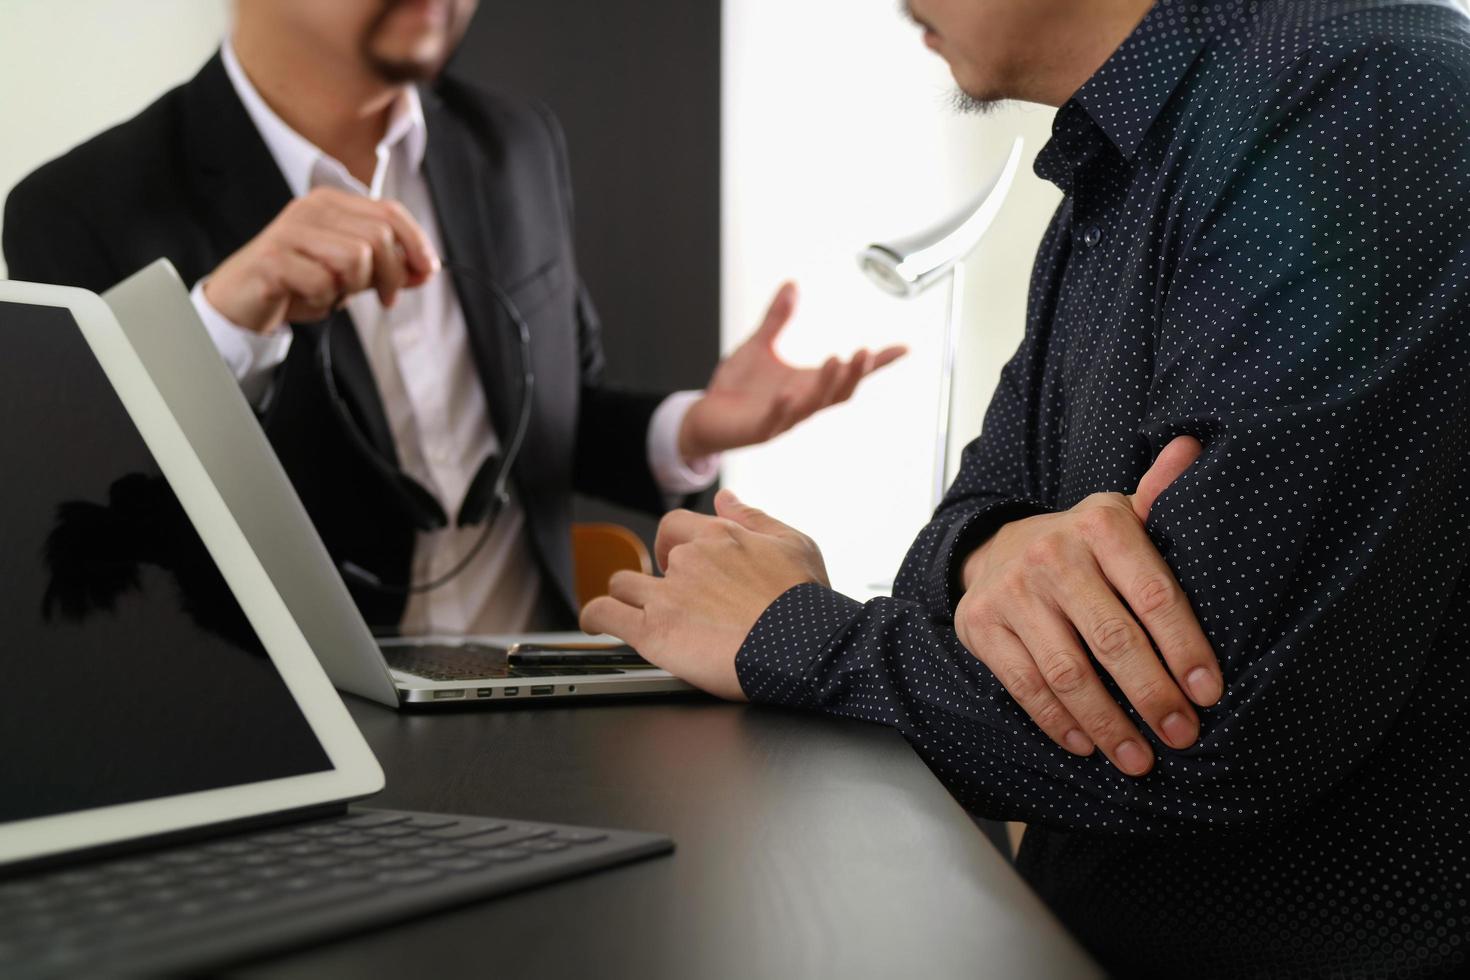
755,396
721,573
321,249
1044,590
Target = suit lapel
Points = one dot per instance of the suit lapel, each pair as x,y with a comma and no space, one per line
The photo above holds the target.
458,175
244,191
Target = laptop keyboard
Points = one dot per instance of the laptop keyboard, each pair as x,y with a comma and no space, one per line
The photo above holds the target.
132,910
467,662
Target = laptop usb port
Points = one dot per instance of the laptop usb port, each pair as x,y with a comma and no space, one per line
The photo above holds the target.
447,695
541,689
511,692
485,692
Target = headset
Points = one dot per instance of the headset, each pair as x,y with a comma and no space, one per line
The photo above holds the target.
488,492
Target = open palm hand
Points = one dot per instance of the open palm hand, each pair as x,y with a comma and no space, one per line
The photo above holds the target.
755,395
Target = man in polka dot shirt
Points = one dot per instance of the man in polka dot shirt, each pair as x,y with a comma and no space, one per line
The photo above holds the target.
1215,525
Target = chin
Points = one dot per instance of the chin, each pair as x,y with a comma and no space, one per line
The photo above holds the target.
411,63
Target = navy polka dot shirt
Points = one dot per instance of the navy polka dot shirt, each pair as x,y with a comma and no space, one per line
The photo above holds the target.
1265,242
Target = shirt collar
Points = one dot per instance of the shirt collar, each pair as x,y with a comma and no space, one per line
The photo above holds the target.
1125,97
1128,93
304,164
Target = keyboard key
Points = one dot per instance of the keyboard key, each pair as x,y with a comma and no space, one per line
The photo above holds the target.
348,872
411,876
393,862
324,830
459,864
372,819
464,830
505,837
430,823
301,883
319,861
406,843
276,840
505,855
268,872
544,846
350,840
385,832
437,851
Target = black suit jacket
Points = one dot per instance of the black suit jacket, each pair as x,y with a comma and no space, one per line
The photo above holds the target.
191,179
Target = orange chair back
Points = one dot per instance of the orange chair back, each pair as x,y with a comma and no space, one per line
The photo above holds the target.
599,550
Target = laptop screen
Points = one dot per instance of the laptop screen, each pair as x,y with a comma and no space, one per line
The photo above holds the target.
130,671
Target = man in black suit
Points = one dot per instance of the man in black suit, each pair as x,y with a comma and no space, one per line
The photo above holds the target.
347,216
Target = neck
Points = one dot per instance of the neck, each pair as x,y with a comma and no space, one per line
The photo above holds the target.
1079,47
341,108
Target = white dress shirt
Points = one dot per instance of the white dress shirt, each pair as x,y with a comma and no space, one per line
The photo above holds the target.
420,358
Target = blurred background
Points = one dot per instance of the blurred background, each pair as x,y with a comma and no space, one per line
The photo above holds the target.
716,151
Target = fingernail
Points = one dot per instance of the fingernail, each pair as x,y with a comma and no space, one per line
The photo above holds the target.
1179,731
1078,743
1132,758
1204,687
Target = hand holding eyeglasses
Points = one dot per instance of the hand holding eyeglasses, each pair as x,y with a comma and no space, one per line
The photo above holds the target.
321,249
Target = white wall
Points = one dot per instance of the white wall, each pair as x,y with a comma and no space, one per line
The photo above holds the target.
71,68
838,133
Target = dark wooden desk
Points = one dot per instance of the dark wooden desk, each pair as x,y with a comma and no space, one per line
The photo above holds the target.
807,847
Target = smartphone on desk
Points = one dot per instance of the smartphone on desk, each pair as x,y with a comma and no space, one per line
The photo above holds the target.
590,654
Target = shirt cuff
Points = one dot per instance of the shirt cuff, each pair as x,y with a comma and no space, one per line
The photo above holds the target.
778,660
945,583
250,356
676,476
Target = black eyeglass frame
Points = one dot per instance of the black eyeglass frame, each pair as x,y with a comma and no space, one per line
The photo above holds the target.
423,508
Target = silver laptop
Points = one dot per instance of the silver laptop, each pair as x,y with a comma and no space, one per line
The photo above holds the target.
157,317
177,766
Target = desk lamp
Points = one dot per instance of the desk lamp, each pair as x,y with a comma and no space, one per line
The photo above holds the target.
908,266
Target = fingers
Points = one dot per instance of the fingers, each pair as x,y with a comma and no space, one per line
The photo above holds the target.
1068,673
852,373
1178,456
632,588
608,615
1144,580
836,382
731,507
390,268
680,527
316,288
778,314
887,356
346,258
1012,665
812,396
423,260
1122,648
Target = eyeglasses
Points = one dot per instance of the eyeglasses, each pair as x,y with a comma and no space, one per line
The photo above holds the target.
488,492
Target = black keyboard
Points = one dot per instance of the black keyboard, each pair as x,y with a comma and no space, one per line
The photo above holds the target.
470,662
204,904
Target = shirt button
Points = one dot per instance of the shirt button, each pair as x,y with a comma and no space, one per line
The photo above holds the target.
1092,236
